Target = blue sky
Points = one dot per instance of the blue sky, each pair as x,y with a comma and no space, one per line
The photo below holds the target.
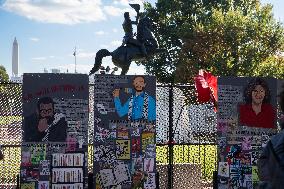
48,30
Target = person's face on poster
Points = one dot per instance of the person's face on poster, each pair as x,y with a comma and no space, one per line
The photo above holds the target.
258,95
46,111
139,84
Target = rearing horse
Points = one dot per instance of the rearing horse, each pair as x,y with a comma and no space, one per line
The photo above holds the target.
123,55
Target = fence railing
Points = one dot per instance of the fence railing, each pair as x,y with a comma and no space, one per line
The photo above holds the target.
185,133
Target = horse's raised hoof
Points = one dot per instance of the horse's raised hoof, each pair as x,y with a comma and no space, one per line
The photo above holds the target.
92,71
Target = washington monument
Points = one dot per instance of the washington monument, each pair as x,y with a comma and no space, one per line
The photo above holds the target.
15,59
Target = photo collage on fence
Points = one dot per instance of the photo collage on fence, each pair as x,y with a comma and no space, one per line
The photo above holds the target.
243,128
124,132
55,127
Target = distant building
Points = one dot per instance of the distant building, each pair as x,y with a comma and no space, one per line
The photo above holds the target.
15,59
55,70
16,79
45,70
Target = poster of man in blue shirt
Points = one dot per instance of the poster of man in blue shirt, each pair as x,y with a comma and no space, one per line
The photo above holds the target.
140,105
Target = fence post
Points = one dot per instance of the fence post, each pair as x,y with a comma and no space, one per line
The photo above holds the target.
171,138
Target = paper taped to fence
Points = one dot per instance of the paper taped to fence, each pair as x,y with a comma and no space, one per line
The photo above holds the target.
247,110
55,126
124,131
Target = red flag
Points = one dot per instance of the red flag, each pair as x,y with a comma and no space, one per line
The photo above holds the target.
206,87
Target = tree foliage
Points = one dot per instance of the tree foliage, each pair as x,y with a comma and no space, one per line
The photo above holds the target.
10,94
228,38
4,77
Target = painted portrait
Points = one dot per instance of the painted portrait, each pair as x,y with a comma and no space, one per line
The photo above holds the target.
257,111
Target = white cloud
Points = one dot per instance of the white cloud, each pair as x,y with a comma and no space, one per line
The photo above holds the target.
104,46
57,11
121,2
116,43
100,33
113,11
69,11
114,30
39,58
34,39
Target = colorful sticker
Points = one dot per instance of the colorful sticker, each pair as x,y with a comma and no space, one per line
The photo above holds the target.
149,164
136,145
43,184
147,138
246,143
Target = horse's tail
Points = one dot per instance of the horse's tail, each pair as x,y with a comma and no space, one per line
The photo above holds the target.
98,60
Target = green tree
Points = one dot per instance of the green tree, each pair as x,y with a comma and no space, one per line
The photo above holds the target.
3,74
10,94
232,37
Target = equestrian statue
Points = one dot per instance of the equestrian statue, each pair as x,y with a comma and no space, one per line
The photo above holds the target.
141,47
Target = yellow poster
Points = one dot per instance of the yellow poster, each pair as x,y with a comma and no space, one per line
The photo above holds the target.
30,185
254,174
123,149
147,138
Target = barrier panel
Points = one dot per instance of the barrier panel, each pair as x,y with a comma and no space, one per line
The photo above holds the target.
193,132
247,119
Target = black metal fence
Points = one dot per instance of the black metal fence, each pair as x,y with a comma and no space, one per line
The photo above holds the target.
186,136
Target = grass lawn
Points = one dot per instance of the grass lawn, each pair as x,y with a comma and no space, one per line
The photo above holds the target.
205,155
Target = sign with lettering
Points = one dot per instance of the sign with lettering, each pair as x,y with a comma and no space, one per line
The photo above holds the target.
124,131
246,121
55,128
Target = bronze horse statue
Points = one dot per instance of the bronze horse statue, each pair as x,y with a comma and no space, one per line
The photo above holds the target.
124,55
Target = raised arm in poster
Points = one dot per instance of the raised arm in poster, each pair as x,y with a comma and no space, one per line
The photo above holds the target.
140,105
257,110
124,131
45,124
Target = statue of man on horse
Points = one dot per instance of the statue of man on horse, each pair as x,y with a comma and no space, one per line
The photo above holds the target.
141,47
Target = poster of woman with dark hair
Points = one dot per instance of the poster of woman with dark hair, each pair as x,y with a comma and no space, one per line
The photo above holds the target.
257,110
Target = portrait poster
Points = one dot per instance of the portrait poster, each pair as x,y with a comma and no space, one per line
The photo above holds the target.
55,126
124,131
246,120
